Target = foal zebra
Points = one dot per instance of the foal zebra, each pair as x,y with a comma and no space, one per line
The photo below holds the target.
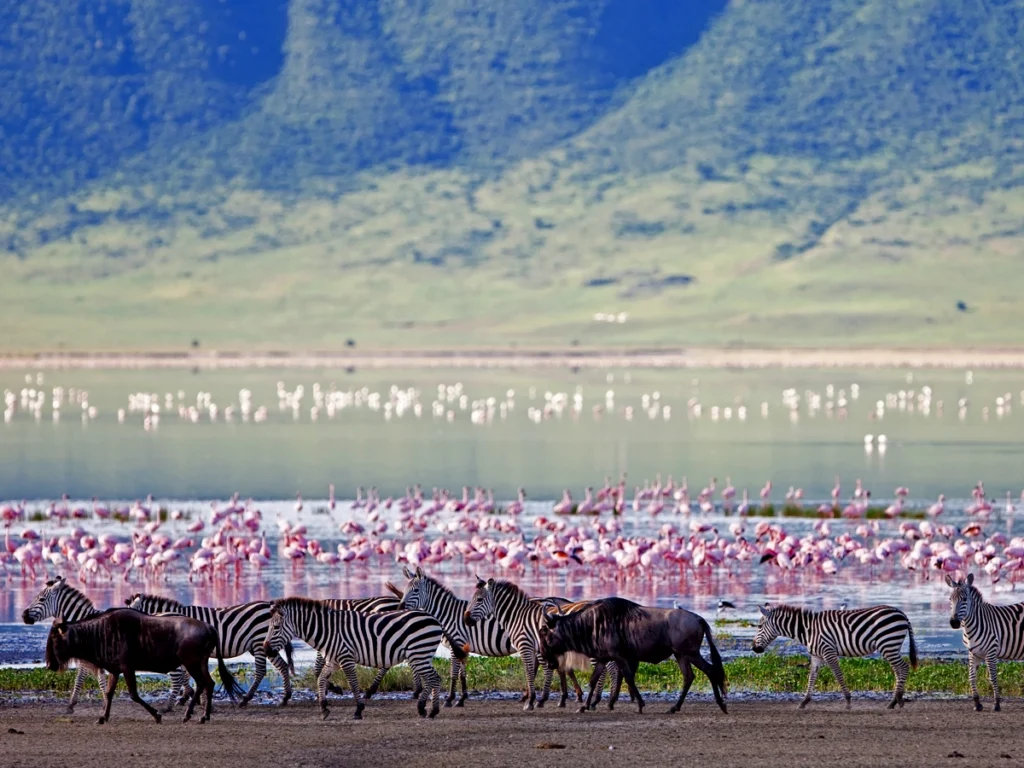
521,617
60,599
831,634
991,632
348,638
240,629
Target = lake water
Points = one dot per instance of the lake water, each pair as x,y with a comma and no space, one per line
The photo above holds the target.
943,432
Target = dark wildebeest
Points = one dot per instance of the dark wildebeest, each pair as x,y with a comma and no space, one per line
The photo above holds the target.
618,630
124,641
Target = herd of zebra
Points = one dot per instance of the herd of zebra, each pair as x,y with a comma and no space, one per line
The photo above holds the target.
611,636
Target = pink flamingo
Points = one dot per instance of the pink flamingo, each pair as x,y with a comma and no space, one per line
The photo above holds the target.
766,492
331,503
565,506
516,507
938,507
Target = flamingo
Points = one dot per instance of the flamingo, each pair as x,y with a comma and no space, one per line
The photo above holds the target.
937,508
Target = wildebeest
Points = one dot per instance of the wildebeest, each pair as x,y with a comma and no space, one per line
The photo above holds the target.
614,629
123,641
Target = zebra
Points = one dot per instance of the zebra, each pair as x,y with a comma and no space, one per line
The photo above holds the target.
991,632
240,628
377,604
348,638
831,634
60,599
521,617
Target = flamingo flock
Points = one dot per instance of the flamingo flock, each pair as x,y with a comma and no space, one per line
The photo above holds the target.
602,535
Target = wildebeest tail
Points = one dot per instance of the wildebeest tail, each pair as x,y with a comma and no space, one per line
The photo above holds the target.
234,690
394,590
913,646
716,658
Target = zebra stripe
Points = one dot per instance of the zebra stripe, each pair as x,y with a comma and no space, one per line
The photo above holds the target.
991,632
521,617
58,598
348,638
240,628
831,634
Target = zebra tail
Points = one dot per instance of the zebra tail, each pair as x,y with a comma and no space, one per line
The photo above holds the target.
394,590
458,651
234,690
716,659
913,646
288,657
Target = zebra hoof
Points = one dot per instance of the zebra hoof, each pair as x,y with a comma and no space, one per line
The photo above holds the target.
434,712
582,710
460,703
244,702
158,718
70,710
540,704
978,707
672,710
561,704
325,711
101,721
204,719
996,708
528,707
448,704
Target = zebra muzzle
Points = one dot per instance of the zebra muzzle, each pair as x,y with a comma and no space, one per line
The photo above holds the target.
954,623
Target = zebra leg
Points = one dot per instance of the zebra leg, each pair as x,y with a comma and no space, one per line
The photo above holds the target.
108,696
991,662
812,678
435,683
133,691
349,667
318,666
901,669
376,682
322,681
282,668
462,680
456,667
687,669
179,682
833,663
549,673
260,656
564,687
79,681
972,677
602,672
530,665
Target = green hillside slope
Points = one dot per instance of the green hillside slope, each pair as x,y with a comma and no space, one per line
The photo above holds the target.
450,174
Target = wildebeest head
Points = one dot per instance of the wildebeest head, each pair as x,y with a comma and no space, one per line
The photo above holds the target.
481,605
46,602
767,629
57,650
961,600
415,597
552,639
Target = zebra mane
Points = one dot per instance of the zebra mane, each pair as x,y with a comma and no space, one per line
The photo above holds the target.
73,592
169,601
299,602
504,586
432,582
784,609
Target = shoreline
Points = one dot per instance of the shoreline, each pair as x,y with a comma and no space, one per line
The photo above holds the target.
675,358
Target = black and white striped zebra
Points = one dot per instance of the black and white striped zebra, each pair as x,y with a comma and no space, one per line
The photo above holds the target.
521,617
991,632
831,634
376,604
58,598
240,628
350,638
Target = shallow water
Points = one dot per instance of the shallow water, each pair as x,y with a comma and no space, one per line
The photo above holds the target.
944,431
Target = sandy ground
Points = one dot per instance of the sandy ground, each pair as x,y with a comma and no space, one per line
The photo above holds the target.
489,733
587,358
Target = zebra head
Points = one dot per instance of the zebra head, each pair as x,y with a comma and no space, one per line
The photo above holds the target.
481,605
47,602
417,592
767,629
280,631
961,601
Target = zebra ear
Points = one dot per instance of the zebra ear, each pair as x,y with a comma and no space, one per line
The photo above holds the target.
949,581
490,583
970,579
407,572
419,571
480,583
765,609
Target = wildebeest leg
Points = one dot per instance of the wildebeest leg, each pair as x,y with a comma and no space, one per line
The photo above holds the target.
564,686
687,670
594,676
204,684
629,672
702,664
133,691
112,679
576,685
282,668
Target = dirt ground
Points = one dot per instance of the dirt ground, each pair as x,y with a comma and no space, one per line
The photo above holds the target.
497,733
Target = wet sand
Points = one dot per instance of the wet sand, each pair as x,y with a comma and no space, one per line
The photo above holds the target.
489,733
556,358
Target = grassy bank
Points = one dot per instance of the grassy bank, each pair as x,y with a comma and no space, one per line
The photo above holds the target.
771,673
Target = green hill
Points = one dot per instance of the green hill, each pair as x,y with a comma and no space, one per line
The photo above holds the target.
450,173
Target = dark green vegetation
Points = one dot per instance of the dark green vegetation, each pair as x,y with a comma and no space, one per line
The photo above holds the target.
771,673
262,174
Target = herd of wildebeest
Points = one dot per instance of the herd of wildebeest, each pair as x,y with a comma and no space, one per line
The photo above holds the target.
609,636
